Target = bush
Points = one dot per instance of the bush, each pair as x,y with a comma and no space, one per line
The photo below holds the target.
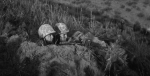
128,9
146,2
122,6
131,3
81,1
140,15
148,18
108,3
138,8
37,12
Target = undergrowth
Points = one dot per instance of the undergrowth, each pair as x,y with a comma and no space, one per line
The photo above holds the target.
32,14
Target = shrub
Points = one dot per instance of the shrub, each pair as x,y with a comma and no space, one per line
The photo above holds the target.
140,15
107,9
37,12
128,9
122,6
81,1
117,13
131,3
138,8
148,18
114,54
108,3
146,2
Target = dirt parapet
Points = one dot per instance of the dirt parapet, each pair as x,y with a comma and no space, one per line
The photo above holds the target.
66,60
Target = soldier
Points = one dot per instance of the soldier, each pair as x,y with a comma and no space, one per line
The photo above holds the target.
77,36
63,30
87,39
46,33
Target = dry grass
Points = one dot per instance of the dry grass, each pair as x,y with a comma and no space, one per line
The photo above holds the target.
108,3
37,12
128,9
81,1
146,2
130,3
148,18
140,15
122,6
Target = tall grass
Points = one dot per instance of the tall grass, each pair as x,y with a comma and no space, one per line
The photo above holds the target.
34,13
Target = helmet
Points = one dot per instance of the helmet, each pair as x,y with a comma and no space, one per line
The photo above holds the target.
62,27
45,29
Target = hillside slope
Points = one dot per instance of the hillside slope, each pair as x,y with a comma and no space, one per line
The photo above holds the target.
21,53
132,10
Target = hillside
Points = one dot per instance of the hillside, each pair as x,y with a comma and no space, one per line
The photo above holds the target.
131,10
22,54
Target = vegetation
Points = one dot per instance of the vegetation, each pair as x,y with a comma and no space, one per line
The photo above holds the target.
146,2
128,9
137,8
122,6
81,1
107,9
108,3
131,3
140,15
148,18
127,50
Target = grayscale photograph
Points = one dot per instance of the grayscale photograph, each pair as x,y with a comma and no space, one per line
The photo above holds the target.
74,37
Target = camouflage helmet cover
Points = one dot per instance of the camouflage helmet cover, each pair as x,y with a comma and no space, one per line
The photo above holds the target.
62,27
45,29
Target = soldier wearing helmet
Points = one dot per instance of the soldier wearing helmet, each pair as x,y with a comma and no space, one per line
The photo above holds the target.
87,38
63,30
47,33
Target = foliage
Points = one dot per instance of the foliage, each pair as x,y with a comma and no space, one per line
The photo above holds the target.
26,16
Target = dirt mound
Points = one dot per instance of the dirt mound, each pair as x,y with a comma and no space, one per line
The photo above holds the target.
63,60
